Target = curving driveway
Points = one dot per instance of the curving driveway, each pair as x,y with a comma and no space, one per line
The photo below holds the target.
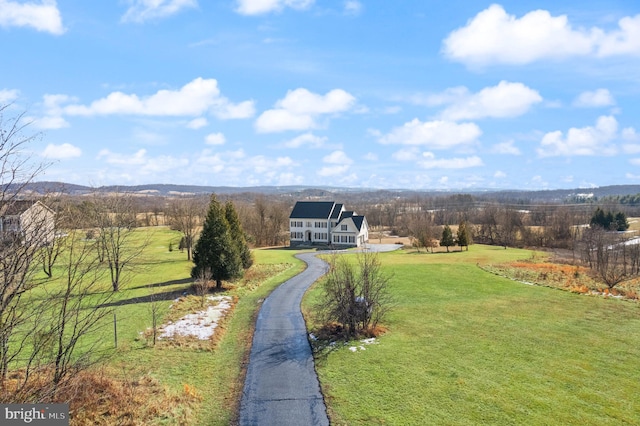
281,387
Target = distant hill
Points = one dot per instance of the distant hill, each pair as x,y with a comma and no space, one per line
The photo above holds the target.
299,191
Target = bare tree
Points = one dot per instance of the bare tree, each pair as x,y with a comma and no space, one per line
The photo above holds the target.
355,295
186,215
610,256
77,308
18,247
119,243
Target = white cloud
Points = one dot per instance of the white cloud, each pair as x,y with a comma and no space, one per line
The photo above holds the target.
507,147
429,161
230,111
493,36
504,100
42,16
299,109
7,96
279,120
595,99
259,7
197,123
434,134
339,164
624,41
61,152
242,169
51,123
499,174
590,140
140,163
306,139
337,157
215,139
302,101
193,99
352,7
144,10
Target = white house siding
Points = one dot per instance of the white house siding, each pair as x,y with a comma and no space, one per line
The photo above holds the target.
346,233
314,231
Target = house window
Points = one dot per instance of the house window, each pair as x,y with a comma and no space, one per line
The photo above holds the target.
352,239
343,227
336,239
309,225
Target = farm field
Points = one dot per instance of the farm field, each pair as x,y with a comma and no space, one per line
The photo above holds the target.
465,346
183,382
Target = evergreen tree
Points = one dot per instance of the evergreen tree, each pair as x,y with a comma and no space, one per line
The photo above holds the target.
215,254
238,235
447,238
620,222
462,237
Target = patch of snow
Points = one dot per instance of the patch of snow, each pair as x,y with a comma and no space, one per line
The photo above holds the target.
371,341
201,324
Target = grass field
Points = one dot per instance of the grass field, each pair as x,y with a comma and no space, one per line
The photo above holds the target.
211,375
467,347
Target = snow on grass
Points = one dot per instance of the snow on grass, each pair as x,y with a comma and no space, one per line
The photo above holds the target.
201,324
370,341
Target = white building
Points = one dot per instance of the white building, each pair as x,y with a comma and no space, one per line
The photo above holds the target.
326,223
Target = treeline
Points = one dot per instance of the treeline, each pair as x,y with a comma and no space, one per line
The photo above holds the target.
265,219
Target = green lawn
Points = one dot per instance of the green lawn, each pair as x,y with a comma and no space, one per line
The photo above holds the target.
215,375
467,347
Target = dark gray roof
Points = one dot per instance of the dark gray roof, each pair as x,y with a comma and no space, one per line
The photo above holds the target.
312,210
345,214
358,220
336,211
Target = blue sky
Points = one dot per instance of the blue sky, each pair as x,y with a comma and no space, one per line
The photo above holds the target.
378,94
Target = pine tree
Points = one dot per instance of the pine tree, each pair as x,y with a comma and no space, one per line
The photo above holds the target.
462,236
215,253
447,238
237,235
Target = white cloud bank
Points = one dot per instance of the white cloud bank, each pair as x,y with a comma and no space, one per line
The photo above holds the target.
505,100
61,152
8,95
144,10
196,98
597,98
433,134
429,161
300,108
259,7
586,141
42,16
495,37
338,163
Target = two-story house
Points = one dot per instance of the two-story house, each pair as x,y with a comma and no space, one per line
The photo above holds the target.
29,221
326,223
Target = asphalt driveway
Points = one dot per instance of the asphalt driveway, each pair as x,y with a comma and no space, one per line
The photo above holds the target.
281,386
